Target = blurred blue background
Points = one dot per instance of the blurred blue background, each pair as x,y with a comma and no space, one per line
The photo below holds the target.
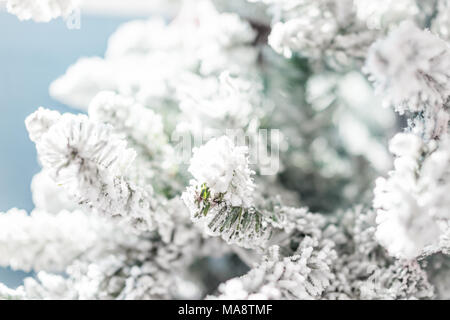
32,55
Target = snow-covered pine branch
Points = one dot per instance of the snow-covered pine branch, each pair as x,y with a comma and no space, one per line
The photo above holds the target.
68,235
411,203
410,69
144,131
304,275
90,161
142,125
410,208
198,40
220,197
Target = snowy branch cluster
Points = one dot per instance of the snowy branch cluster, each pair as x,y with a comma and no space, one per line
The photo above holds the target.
41,10
117,216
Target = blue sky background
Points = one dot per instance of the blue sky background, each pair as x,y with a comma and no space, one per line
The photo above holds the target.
32,55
